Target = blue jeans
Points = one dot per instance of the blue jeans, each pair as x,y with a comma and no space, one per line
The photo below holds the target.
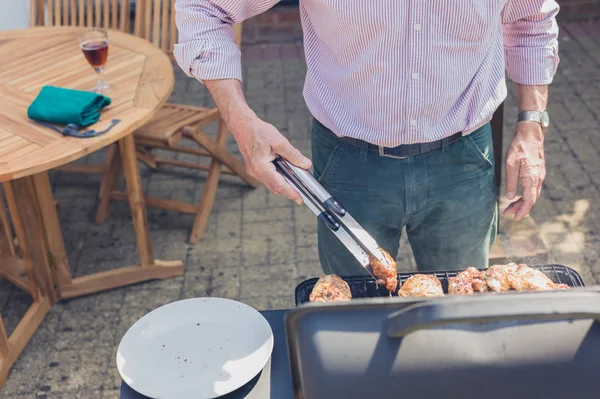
445,198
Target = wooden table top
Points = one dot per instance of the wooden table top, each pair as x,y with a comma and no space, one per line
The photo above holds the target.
141,75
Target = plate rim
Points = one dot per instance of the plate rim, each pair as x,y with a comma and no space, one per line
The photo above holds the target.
271,338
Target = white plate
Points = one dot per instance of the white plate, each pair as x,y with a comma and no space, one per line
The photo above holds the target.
197,348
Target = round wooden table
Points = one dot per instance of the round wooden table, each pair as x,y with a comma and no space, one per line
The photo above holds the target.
141,75
142,79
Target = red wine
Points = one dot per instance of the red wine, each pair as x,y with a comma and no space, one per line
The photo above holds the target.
96,52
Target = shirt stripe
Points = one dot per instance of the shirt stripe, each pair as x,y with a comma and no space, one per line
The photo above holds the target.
391,72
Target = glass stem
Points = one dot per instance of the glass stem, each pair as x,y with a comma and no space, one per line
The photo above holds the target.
100,75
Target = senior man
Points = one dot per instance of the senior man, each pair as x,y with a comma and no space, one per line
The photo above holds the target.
402,93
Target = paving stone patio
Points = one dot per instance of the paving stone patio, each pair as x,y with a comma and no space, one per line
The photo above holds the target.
258,246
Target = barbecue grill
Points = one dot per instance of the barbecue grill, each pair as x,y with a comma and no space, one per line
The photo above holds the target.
515,345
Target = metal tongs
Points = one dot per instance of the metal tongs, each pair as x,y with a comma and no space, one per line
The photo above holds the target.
331,213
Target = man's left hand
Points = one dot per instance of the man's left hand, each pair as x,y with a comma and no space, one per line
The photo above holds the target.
525,163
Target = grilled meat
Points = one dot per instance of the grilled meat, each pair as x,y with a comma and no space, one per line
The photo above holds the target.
467,282
497,277
519,277
427,285
386,273
330,288
525,278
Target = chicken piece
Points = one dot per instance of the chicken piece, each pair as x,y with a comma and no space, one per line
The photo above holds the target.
479,284
526,278
467,282
330,288
460,285
427,285
386,273
497,277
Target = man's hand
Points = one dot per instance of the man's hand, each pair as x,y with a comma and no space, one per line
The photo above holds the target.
259,143
525,163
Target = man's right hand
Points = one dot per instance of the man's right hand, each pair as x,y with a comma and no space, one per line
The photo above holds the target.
259,143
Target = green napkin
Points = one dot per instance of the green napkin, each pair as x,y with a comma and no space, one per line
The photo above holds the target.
67,106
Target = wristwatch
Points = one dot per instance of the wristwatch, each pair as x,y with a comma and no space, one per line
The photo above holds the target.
540,117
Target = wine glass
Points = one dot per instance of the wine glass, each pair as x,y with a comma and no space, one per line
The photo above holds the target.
94,45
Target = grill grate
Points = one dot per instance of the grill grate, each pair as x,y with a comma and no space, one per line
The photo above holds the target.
366,287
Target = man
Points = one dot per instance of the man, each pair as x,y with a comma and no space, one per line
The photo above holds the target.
402,93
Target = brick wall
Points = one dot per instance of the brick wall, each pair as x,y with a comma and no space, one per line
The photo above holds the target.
282,23
579,9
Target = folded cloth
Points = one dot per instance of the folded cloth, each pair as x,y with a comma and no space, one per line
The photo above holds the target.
67,106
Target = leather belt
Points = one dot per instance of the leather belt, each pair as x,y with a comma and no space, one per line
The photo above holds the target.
401,151
409,150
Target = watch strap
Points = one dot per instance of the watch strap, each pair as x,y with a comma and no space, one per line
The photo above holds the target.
530,116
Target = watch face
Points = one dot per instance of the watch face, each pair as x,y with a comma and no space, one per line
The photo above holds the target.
545,119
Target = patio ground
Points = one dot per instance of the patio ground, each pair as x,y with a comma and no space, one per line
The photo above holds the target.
258,246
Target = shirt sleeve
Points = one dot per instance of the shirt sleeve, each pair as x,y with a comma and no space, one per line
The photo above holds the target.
530,36
206,49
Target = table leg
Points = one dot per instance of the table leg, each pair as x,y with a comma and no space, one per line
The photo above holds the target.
28,268
110,180
6,243
29,228
69,287
59,262
136,200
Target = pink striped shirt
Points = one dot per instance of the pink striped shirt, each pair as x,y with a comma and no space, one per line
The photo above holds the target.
391,72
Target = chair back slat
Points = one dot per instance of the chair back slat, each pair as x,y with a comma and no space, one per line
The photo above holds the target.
65,12
97,13
173,26
114,13
165,23
57,8
89,13
237,34
73,16
156,12
106,15
125,11
80,15
146,11
49,20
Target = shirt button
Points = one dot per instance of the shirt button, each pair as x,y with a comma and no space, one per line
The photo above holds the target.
417,26
415,76
413,122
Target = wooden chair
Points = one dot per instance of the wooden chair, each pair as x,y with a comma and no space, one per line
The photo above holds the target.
16,266
155,21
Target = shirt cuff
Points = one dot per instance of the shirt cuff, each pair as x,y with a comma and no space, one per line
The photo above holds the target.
531,66
205,61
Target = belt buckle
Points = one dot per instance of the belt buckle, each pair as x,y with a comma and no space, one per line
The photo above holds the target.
383,154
